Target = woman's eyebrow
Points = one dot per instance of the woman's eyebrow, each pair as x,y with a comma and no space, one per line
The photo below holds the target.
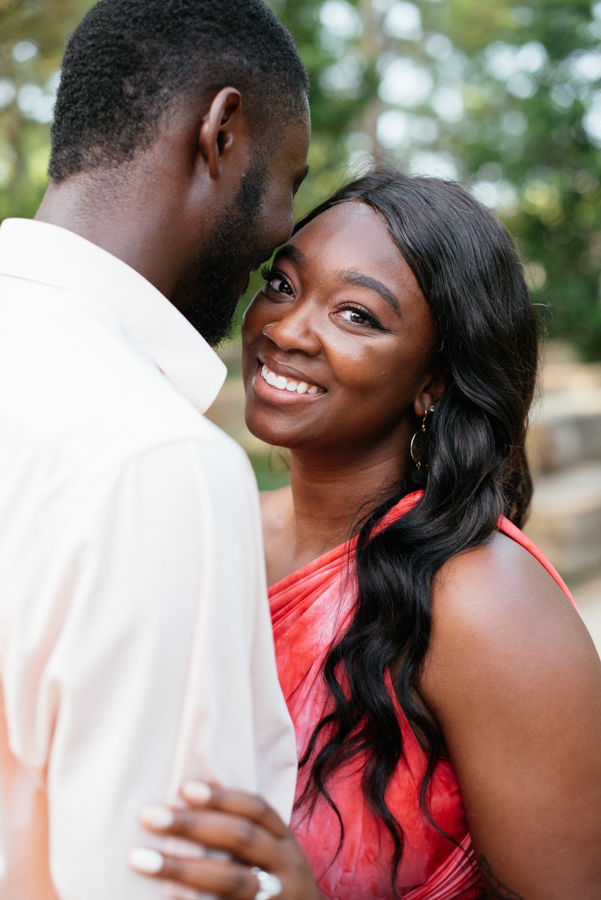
296,256
372,284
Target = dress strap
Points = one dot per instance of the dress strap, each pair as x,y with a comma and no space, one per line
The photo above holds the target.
519,537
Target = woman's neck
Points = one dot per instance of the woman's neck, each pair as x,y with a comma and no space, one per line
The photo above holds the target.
323,507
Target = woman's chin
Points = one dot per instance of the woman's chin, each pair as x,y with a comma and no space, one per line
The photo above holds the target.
278,417
267,431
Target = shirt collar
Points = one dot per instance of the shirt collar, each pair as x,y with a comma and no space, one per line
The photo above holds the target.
55,256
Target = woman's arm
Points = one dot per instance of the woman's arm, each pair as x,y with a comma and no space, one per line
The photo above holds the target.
515,683
242,824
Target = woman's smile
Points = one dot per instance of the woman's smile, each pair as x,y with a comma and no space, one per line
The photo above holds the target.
279,383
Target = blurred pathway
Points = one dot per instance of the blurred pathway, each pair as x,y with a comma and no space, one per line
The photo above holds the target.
564,450
588,601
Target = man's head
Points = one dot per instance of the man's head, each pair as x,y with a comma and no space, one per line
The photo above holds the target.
201,105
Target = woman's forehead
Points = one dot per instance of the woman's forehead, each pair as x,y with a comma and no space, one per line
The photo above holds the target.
349,228
352,236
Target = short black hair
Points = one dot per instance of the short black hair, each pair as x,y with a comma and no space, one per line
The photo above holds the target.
129,61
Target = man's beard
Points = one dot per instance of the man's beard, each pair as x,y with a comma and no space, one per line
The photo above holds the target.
231,253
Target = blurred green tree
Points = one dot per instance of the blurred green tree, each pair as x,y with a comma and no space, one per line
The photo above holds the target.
504,96
33,34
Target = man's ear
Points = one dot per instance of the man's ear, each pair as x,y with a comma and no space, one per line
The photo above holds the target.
432,390
219,128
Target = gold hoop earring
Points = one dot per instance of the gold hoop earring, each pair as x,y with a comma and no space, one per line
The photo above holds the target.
419,443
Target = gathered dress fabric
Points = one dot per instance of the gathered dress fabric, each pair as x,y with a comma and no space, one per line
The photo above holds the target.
311,609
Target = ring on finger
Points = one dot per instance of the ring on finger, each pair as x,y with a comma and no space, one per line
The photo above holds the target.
269,885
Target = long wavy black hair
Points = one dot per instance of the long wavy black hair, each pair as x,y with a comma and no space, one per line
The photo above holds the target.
472,279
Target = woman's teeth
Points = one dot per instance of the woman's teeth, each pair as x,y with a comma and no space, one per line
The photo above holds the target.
288,384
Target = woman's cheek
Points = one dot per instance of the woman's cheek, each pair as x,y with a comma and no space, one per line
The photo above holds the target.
366,367
248,323
256,311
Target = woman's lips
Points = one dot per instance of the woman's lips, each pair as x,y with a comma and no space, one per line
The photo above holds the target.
283,383
269,384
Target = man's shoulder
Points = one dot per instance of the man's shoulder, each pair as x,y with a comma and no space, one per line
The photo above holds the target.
74,379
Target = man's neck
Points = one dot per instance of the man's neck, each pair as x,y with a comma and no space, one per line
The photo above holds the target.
108,210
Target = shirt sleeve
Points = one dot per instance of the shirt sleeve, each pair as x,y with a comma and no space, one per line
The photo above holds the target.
152,660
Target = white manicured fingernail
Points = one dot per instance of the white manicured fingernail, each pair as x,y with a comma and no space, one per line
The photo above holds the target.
146,861
157,816
197,792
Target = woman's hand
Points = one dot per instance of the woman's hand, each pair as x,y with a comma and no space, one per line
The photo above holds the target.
241,824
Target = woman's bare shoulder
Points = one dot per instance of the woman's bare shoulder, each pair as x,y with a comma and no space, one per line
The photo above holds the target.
498,584
498,617
514,681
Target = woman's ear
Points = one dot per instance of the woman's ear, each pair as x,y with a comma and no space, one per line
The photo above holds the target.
432,390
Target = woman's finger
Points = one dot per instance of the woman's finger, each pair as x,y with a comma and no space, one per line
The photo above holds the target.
240,836
240,803
225,879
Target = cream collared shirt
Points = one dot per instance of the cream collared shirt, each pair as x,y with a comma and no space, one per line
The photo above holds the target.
135,639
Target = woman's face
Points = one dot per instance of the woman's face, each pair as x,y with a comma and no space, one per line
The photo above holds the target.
338,343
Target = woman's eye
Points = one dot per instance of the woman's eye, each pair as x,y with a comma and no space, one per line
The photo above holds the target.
280,285
357,317
277,283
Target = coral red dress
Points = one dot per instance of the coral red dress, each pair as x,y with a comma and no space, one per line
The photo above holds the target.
310,609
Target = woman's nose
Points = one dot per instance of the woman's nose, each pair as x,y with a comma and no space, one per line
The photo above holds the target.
294,331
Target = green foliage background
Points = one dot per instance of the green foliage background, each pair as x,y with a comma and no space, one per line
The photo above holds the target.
503,95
